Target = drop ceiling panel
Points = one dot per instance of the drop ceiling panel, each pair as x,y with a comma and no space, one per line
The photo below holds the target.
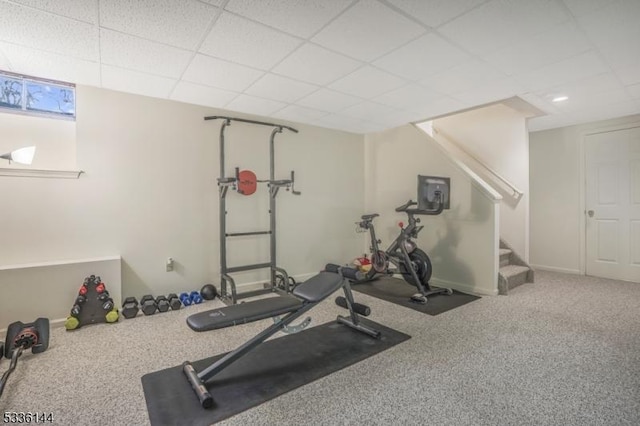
82,10
239,40
422,57
316,64
551,46
41,30
328,100
342,122
628,75
575,68
435,12
368,111
367,82
271,86
301,18
499,23
4,61
441,107
254,105
368,30
634,91
126,51
202,95
299,114
221,74
50,65
136,82
411,97
176,23
463,77
583,7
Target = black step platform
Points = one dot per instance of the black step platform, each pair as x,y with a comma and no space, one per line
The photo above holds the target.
267,372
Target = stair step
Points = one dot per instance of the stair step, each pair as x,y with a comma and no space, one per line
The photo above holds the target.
512,276
505,257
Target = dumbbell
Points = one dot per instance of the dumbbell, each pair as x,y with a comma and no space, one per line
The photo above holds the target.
195,297
162,303
106,300
130,307
174,302
185,298
148,304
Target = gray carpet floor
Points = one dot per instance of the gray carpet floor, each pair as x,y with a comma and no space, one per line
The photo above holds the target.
562,351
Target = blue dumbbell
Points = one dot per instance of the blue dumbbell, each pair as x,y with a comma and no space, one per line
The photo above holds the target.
196,298
185,298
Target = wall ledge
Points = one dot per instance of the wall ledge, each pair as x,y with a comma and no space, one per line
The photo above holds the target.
41,173
59,262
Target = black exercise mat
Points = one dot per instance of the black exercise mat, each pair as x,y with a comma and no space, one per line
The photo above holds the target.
272,369
399,292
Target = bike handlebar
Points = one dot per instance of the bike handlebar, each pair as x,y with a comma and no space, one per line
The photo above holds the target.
405,206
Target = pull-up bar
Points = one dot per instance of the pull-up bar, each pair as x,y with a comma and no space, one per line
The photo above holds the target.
244,120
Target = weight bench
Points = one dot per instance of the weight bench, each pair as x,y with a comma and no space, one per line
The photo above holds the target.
305,296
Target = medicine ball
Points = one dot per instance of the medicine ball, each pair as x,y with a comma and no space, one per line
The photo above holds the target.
208,292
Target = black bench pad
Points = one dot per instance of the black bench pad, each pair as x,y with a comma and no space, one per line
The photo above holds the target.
243,313
318,287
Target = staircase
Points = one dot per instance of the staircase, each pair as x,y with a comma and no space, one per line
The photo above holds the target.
513,270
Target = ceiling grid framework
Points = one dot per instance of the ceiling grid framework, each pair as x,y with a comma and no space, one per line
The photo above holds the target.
358,65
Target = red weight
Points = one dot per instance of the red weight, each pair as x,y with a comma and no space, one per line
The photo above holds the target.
83,290
100,288
247,182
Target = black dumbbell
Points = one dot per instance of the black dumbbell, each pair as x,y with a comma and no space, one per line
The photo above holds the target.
174,302
148,304
162,303
130,307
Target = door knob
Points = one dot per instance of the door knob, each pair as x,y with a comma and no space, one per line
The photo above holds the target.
590,213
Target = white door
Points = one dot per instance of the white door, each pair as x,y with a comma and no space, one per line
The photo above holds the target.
613,204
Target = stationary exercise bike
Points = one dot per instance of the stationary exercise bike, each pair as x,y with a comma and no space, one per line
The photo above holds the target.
410,261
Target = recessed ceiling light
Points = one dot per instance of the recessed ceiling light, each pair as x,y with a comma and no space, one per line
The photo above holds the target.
559,98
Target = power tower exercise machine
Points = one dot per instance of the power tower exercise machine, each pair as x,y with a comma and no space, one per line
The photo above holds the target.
279,279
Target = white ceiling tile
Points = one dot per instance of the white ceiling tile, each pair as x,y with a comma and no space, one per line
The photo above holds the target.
328,100
176,23
463,77
435,12
422,57
280,88
572,69
202,95
367,111
587,92
82,10
442,106
4,60
301,18
126,51
551,46
136,82
342,122
615,31
629,74
221,74
213,2
634,91
367,82
492,91
316,64
583,7
237,39
299,114
254,105
368,30
411,97
41,30
499,23
50,65
539,102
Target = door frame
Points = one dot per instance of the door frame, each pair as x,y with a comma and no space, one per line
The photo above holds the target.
582,214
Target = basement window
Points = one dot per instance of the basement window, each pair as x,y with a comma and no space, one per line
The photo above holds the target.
36,96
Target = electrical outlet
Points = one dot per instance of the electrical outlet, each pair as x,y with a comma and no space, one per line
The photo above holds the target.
169,264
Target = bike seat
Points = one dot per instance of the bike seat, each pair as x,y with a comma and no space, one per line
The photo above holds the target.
369,216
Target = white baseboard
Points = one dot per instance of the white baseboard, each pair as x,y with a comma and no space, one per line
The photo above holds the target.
555,269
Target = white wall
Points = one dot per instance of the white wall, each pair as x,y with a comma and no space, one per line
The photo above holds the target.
149,192
461,242
54,139
557,194
497,136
